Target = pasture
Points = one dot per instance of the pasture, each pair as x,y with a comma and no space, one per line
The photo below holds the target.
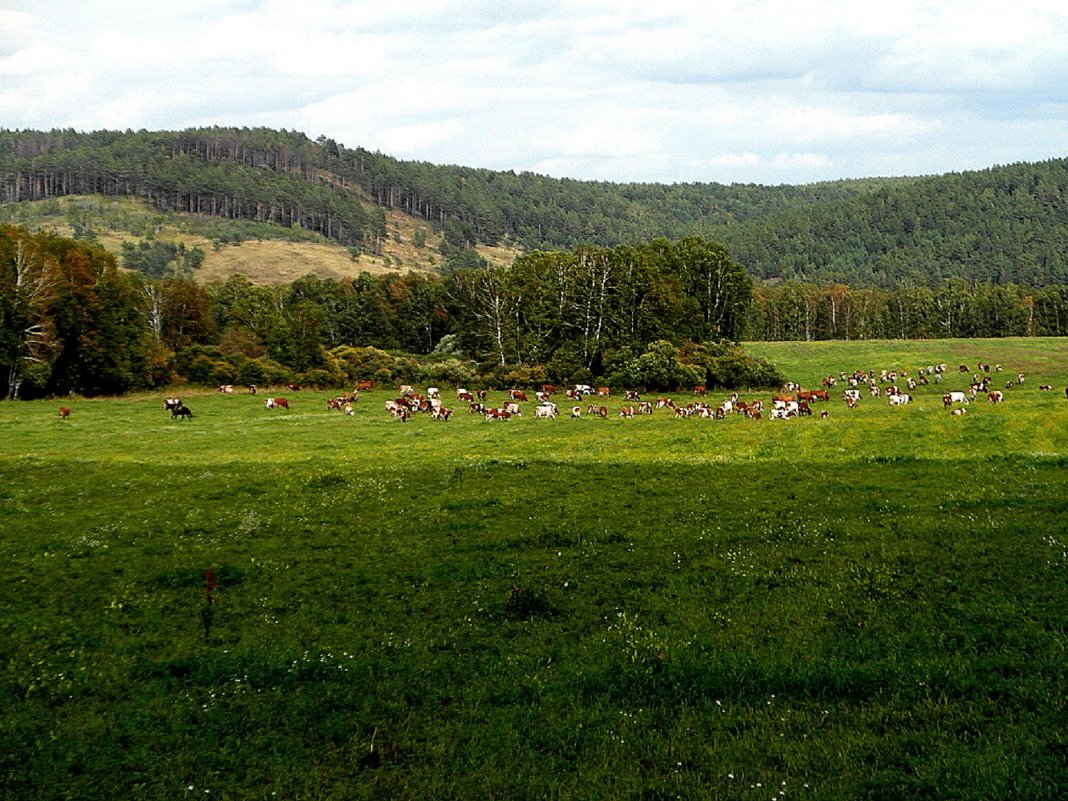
873,605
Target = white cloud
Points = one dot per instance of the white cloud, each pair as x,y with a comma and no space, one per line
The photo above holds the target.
410,140
760,90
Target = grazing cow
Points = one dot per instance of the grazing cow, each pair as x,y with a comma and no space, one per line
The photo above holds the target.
546,411
583,389
627,411
543,397
960,411
181,411
824,414
548,389
573,394
441,413
517,395
226,389
252,389
365,386
576,411
604,392
464,396
1045,387
900,399
954,397
406,389
852,395
64,412
803,409
433,392
513,409
476,408
631,395
347,409
293,387
481,394
497,414
995,397
277,403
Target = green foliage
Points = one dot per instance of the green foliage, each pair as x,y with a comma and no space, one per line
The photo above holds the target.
658,368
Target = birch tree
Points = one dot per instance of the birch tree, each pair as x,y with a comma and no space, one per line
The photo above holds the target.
28,291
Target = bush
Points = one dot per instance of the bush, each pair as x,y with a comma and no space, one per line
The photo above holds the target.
658,368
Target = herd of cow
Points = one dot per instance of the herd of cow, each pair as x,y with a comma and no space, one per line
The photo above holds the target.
896,386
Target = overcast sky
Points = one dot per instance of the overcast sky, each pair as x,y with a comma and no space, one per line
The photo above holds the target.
770,92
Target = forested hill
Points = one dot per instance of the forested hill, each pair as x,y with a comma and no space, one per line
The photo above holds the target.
1003,224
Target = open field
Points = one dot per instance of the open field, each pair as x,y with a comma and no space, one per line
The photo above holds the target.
868,606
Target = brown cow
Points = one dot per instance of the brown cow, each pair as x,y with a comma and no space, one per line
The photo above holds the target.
699,390
277,403
517,395
365,386
64,412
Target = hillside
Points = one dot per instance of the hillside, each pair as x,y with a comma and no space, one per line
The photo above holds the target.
262,253
1000,225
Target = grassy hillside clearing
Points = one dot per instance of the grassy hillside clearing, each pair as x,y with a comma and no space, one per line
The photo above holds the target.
274,258
868,606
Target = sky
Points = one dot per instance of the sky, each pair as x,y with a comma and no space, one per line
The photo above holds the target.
730,91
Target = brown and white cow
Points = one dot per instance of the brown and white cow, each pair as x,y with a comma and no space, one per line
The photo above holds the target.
277,403
995,397
517,395
64,412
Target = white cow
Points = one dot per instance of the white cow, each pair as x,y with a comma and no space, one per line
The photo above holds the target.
546,411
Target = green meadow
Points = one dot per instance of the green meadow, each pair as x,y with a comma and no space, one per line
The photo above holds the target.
868,606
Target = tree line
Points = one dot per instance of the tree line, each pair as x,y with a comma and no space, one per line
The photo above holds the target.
660,315
1002,225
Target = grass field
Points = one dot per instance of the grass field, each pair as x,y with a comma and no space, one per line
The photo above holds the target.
868,606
